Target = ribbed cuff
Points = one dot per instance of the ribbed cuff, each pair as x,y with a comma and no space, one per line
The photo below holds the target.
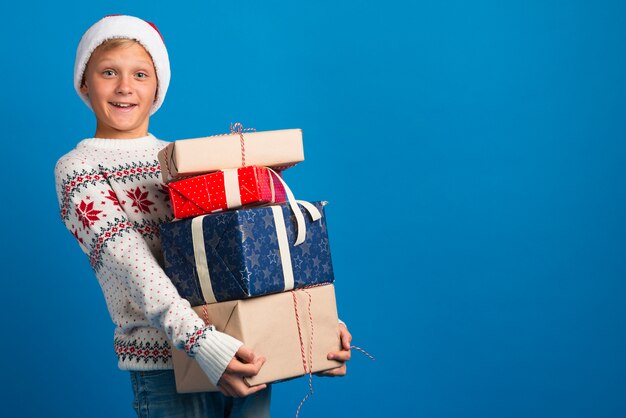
214,352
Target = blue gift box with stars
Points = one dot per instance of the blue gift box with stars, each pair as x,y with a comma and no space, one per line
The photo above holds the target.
245,253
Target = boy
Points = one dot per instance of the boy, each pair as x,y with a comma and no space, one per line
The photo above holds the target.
112,200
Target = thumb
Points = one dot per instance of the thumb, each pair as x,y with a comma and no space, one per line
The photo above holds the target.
346,343
245,354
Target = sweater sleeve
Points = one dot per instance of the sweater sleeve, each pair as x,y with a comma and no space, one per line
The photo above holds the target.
124,265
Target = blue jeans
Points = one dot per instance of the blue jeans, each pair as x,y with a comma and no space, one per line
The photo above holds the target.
156,397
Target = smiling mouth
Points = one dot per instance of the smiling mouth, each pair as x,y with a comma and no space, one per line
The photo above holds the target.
122,105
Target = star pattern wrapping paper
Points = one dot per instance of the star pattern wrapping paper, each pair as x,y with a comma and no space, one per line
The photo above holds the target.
243,255
204,194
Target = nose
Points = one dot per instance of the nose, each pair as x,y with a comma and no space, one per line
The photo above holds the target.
124,86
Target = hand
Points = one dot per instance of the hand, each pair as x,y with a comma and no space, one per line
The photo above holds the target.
244,364
342,356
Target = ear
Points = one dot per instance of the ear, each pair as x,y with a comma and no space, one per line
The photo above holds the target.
84,89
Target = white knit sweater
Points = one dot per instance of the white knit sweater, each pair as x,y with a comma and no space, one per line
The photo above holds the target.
112,200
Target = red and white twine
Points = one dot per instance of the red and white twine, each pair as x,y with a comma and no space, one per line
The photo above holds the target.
308,369
307,360
235,128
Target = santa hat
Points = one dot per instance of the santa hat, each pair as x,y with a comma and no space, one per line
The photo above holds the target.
120,26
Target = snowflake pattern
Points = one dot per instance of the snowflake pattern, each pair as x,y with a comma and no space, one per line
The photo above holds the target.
140,200
113,198
164,190
87,214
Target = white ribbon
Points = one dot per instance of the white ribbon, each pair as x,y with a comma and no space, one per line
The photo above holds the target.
199,254
310,207
231,188
233,200
283,247
272,189
293,203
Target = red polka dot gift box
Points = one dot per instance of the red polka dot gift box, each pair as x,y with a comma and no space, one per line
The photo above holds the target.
225,189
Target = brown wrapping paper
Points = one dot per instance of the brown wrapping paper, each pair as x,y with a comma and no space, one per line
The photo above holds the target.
267,324
278,149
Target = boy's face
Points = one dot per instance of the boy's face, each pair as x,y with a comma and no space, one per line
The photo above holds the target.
121,84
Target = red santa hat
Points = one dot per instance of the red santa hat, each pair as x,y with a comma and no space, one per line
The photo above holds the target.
129,27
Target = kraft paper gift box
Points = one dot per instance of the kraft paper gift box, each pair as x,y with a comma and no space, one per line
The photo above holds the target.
245,253
278,149
225,189
268,325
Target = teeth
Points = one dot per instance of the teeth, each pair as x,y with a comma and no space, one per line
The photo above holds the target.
122,104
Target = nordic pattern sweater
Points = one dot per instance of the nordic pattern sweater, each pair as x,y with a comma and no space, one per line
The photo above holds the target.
112,200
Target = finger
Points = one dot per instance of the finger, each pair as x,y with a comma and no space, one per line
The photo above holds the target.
245,390
346,337
343,355
248,370
255,389
338,371
237,387
229,384
225,391
245,354
224,386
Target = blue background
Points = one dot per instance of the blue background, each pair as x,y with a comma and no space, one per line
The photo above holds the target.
473,155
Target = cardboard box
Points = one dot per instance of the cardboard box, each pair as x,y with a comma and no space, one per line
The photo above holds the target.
278,149
268,326
225,189
245,253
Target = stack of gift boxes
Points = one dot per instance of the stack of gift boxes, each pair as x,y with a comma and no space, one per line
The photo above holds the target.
241,244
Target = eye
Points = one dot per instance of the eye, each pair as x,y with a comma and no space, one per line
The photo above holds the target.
141,74
108,73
